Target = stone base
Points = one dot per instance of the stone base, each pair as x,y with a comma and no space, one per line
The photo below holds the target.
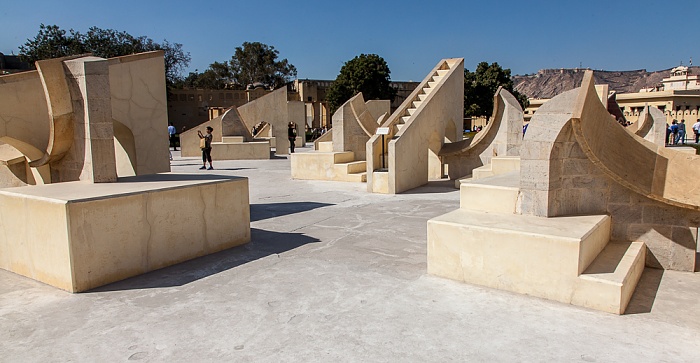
334,166
566,259
256,150
77,236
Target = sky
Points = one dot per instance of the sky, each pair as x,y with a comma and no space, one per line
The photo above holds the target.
412,36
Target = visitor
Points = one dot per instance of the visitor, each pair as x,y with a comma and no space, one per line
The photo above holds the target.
668,132
525,128
205,144
674,132
172,132
292,135
680,136
696,130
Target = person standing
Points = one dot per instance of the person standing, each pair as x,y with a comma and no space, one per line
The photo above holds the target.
696,130
172,132
292,135
205,144
680,137
674,132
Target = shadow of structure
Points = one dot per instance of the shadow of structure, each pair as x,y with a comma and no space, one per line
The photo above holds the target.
271,210
644,295
434,186
262,244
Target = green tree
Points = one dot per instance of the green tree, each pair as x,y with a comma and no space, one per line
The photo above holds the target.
257,62
53,42
481,85
217,76
366,73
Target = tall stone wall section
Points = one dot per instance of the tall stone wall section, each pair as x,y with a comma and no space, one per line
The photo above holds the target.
558,179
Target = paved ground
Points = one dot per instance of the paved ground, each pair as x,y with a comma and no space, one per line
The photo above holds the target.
335,274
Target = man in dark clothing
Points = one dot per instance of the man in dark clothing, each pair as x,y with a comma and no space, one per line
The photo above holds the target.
292,135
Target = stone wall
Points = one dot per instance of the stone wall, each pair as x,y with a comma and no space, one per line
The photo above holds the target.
559,179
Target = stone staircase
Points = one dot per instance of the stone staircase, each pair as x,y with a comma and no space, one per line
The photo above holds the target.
409,118
498,165
568,259
420,97
314,164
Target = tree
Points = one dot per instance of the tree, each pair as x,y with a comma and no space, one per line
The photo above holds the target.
257,62
217,76
480,86
53,42
366,73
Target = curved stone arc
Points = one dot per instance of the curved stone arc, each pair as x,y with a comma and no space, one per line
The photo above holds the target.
639,165
232,125
506,112
362,115
488,133
60,105
652,125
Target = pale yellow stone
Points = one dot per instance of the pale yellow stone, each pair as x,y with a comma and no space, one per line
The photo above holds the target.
78,236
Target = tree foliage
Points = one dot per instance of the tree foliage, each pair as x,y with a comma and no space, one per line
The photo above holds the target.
54,42
251,63
481,85
366,73
257,62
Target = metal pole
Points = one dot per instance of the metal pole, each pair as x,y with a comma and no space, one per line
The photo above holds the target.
383,166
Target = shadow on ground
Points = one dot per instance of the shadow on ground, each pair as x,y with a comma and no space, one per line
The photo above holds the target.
259,212
262,244
644,295
434,186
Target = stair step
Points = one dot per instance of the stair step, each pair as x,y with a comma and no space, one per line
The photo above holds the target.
442,72
411,111
380,182
343,157
497,194
351,167
357,177
405,119
525,254
422,97
325,146
432,85
483,171
399,127
416,104
436,79
608,283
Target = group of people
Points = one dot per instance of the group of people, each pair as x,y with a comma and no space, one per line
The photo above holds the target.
317,132
675,133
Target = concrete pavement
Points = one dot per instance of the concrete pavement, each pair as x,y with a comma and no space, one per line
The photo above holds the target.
334,273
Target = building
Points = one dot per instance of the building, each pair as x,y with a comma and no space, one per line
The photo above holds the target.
12,64
190,107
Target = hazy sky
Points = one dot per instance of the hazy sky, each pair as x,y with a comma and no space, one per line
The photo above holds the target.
412,36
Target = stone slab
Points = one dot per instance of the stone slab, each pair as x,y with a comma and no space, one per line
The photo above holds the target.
77,236
256,150
524,254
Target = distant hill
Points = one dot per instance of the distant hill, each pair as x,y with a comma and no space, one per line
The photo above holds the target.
548,83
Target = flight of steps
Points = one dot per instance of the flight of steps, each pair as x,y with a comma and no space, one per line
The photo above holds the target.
567,259
498,165
345,167
425,91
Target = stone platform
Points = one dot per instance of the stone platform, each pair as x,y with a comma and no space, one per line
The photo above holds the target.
77,236
328,165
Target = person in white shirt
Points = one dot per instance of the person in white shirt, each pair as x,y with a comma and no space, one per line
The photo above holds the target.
696,129
172,132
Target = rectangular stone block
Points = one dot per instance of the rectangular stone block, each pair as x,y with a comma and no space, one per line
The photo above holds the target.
78,236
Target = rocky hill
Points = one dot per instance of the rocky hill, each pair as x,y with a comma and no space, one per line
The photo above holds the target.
548,83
